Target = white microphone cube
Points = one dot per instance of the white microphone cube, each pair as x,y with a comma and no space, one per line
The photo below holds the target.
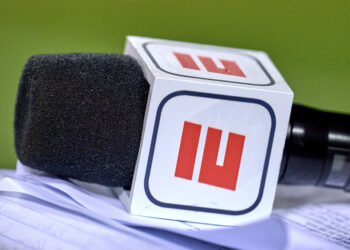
213,136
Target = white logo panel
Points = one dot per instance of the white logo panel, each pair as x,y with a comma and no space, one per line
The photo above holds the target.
225,65
254,123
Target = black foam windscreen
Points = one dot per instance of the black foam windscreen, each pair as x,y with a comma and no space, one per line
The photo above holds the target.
81,116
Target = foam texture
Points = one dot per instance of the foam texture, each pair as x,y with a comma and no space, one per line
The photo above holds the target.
81,116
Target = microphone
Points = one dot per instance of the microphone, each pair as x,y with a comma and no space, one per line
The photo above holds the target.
184,131
81,116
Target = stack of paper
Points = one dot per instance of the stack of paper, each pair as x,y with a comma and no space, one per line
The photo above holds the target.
42,212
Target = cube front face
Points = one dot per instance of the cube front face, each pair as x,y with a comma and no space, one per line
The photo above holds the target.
204,145
210,150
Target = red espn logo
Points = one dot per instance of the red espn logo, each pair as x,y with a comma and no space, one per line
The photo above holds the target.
230,67
210,173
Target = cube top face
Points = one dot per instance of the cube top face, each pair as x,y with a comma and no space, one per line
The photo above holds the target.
213,134
233,67
227,66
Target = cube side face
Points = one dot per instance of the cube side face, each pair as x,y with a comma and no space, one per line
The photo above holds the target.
210,152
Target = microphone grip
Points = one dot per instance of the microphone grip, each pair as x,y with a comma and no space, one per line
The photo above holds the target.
317,149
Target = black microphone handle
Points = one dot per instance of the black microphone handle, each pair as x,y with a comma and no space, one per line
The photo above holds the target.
317,149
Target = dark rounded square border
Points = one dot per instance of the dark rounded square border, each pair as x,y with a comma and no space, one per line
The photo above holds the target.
272,82
221,97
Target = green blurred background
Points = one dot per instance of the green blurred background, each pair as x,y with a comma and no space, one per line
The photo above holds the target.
309,41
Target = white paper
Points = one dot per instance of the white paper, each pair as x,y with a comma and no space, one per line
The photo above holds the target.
36,222
322,212
104,217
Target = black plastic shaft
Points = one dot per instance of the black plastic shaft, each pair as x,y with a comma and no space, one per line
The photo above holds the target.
317,149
